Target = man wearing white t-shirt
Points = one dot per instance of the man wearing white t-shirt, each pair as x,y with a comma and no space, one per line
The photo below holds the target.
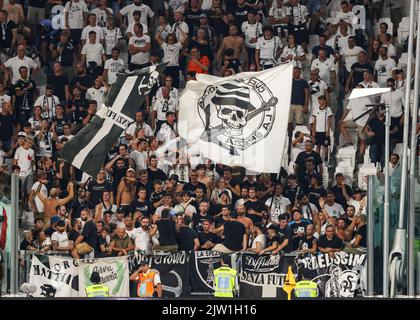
113,66
98,92
25,158
278,205
14,64
139,48
102,13
39,186
92,27
383,67
112,36
397,100
136,125
161,107
75,15
350,53
179,24
59,239
317,88
139,155
268,49
93,52
252,29
145,10
326,68
142,236
332,208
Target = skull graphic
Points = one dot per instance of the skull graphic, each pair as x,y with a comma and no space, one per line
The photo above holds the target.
233,118
153,79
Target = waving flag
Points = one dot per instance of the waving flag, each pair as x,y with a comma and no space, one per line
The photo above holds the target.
239,120
88,149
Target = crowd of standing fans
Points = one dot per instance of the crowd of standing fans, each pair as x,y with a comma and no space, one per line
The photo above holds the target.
54,79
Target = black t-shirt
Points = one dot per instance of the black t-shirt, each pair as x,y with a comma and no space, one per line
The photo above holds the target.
305,243
101,241
315,193
298,91
197,220
148,186
191,188
271,241
205,50
117,175
78,207
80,112
67,56
339,197
25,244
85,81
362,232
378,127
295,228
291,193
204,237
156,197
257,206
186,238
156,175
7,126
73,235
6,35
167,232
301,161
358,70
59,125
335,243
97,189
192,18
233,64
27,100
37,3
240,14
234,233
329,50
90,233
286,233
59,84
145,207
254,184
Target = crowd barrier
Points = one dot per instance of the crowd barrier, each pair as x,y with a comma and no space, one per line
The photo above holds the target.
185,274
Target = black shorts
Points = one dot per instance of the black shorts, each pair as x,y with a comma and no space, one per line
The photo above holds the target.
321,139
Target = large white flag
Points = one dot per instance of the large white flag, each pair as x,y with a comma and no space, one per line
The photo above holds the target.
239,120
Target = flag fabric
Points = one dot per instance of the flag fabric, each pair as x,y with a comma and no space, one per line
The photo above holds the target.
3,232
239,120
290,283
88,149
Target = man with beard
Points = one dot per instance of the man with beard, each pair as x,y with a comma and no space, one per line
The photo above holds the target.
194,183
309,210
79,204
82,78
202,215
142,236
247,222
86,242
53,201
118,169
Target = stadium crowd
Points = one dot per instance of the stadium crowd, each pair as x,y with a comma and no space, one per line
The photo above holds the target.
141,201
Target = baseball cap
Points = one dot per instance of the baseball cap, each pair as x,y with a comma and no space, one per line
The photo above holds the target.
22,134
131,169
203,15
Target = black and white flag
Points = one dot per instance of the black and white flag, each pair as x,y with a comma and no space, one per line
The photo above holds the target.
239,120
88,149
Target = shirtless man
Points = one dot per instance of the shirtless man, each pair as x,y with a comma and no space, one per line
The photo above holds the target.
247,222
127,188
235,42
208,181
51,203
15,11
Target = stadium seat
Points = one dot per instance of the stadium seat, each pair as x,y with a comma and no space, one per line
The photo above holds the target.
387,21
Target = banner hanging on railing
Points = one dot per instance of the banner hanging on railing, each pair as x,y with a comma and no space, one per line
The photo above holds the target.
202,266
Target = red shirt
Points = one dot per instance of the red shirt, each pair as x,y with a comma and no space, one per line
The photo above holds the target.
194,67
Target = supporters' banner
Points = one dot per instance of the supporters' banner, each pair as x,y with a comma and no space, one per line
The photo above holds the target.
264,276
52,280
339,276
88,149
203,264
70,266
113,273
239,120
173,270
